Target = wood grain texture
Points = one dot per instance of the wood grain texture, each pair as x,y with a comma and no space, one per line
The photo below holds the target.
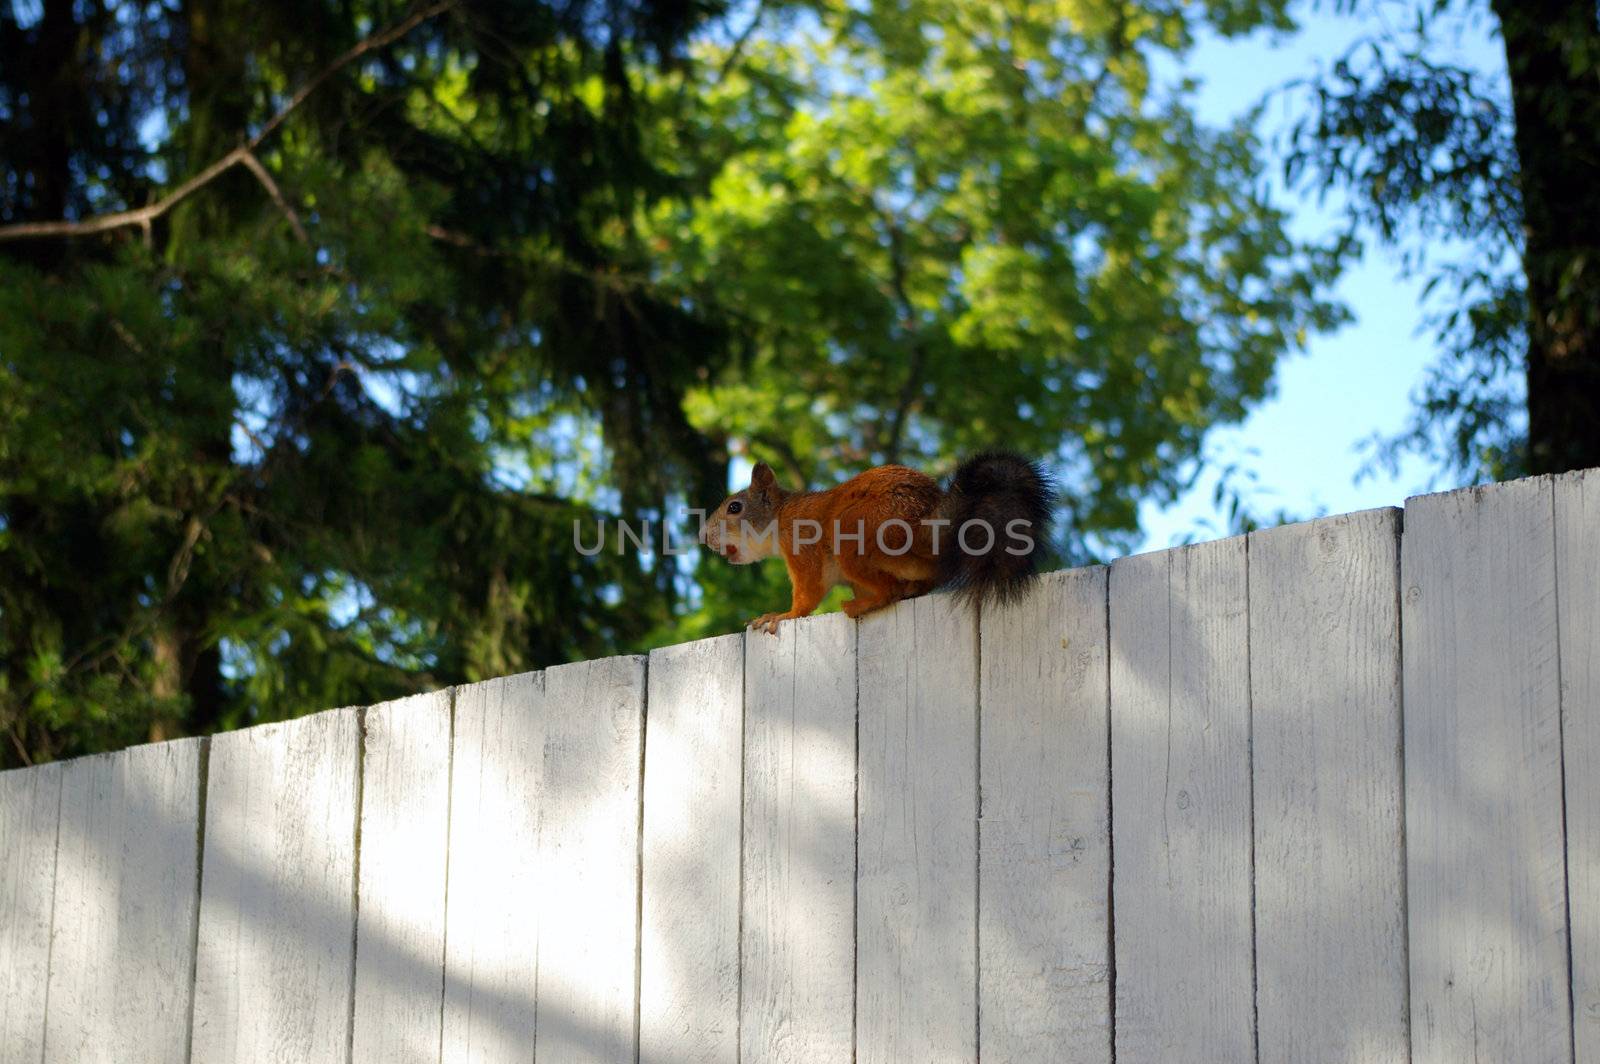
1044,891
494,898
689,946
799,843
1180,733
589,828
277,893
1485,868
916,918
405,830
1577,501
1329,857
127,896
937,893
30,800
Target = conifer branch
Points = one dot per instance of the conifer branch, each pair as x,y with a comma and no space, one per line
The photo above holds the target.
243,155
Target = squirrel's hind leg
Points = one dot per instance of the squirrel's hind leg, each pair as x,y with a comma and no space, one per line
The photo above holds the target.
874,588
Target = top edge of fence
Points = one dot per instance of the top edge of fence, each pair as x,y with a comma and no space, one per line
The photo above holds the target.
267,727
1054,575
724,637
132,749
1479,490
1374,513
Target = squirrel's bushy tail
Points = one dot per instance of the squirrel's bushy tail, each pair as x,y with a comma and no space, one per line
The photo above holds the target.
1010,495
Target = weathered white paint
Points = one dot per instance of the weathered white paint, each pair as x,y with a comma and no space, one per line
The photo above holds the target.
1180,771
1578,594
689,946
277,893
916,917
589,834
1329,857
1045,834
405,824
494,898
802,903
29,802
125,909
1486,868
799,843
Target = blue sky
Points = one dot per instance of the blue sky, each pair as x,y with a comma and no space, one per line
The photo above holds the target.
1303,443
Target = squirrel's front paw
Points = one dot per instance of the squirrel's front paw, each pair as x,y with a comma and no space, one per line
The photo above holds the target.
767,622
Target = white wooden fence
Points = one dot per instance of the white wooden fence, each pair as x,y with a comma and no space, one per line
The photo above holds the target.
1328,793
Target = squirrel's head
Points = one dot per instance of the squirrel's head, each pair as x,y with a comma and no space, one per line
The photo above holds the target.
744,528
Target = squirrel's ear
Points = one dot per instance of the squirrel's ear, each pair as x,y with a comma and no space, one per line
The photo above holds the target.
762,482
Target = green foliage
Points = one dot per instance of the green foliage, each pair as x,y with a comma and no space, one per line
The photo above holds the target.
559,263
244,477
965,223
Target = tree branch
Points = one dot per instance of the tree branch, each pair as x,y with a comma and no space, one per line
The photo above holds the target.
242,155
141,217
737,49
253,164
908,318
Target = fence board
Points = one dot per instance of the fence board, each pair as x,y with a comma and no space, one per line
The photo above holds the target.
1045,883
916,921
1578,592
1485,873
689,946
799,843
125,909
589,836
405,830
277,913
1181,805
30,800
493,897
1329,856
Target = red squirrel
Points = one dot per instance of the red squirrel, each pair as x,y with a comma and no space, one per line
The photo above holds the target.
892,533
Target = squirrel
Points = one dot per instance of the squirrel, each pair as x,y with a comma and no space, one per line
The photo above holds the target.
892,533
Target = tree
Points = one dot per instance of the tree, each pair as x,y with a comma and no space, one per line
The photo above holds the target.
254,447
962,224
322,323
1425,147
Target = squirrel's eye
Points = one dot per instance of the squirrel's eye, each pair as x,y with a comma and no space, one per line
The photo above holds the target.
735,507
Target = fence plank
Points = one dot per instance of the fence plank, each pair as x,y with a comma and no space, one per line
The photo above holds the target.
589,834
799,843
30,801
1045,872
1578,592
1329,857
916,921
493,900
1180,804
127,897
689,946
405,824
1486,879
277,913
